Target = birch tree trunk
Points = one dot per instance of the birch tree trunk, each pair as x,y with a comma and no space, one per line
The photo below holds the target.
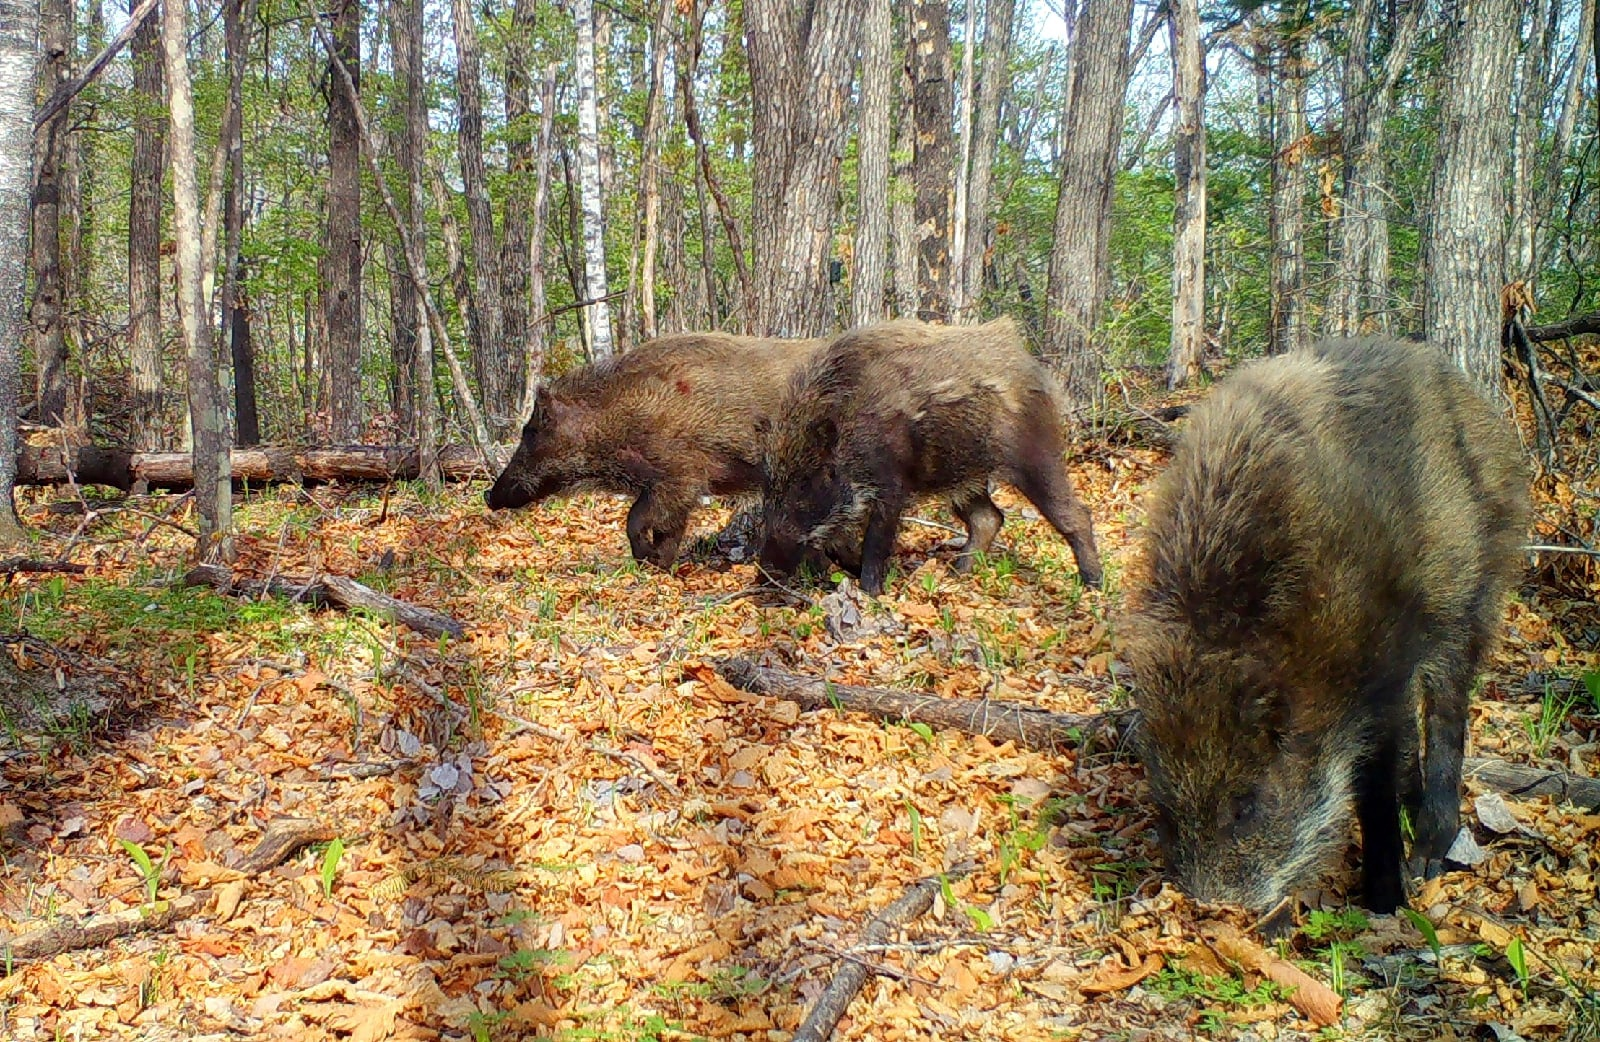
490,355
1464,242
802,57
1189,212
959,294
871,247
1287,328
1080,259
238,16
995,77
49,279
650,172
341,291
19,23
213,481
594,232
1360,292
931,169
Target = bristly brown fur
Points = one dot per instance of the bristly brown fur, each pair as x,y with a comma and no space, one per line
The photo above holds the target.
1325,558
898,410
668,422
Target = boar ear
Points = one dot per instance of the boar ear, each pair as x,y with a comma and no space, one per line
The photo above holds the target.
824,433
541,408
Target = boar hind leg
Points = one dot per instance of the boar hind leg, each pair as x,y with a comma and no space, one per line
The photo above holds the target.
1044,481
1378,808
883,522
656,523
1446,681
983,520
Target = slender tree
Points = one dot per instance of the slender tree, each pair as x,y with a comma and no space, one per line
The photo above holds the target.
1189,210
648,242
1080,260
871,248
1464,243
19,21
538,333
237,18
931,165
802,60
49,155
994,78
407,390
1287,329
213,476
594,228
963,166
144,233
341,290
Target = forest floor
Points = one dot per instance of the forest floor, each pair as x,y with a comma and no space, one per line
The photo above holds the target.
566,826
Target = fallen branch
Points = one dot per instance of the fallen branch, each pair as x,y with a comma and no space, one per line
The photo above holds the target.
836,998
1576,326
1001,721
14,565
1310,996
283,837
1052,732
335,590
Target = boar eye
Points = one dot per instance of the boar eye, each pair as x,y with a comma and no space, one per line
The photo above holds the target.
1243,809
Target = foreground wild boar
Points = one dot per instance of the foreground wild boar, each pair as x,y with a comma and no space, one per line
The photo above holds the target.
891,412
1325,558
667,422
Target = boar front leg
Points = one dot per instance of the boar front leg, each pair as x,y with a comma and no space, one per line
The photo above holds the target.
1446,680
1378,809
656,523
883,523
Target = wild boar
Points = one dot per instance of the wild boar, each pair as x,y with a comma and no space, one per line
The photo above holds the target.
1325,562
891,412
668,422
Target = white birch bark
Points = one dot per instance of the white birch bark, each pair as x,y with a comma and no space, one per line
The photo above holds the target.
19,24
594,237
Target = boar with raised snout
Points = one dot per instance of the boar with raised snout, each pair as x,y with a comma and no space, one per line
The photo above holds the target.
668,422
1325,562
891,412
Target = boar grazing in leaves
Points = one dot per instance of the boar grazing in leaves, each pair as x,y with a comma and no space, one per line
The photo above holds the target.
891,412
667,422
1324,563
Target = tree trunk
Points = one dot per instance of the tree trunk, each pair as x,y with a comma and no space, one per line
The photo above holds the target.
930,103
213,489
995,77
238,16
491,355
871,248
409,142
19,21
1566,123
1360,293
707,182
959,293
341,291
1287,327
650,171
902,191
802,58
594,227
1189,210
1464,242
538,334
49,280
1080,260
1532,97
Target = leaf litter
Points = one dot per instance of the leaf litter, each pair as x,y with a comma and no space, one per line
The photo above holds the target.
567,826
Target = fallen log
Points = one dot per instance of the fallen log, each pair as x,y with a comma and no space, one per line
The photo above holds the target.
15,565
43,463
335,590
1053,732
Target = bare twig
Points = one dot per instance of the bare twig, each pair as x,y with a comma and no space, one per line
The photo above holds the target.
67,91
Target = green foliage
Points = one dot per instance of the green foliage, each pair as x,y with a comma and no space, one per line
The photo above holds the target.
330,865
1216,994
149,870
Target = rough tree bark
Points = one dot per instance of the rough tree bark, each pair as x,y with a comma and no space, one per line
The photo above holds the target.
538,333
930,163
491,356
802,57
19,20
1464,242
144,233
49,279
650,166
237,17
902,222
994,78
1189,212
404,18
959,294
341,290
1566,123
1080,260
594,227
1527,127
414,144
1360,291
1286,330
213,488
871,247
